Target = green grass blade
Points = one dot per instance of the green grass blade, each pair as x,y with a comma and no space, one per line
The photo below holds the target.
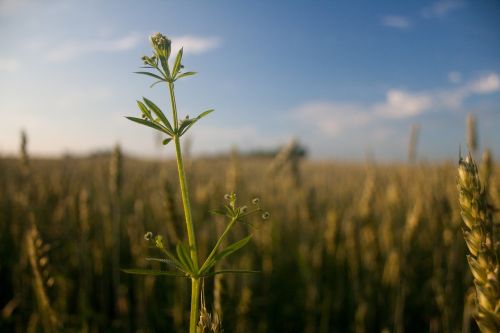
152,272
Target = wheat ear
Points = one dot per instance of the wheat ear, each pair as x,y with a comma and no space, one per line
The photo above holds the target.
478,234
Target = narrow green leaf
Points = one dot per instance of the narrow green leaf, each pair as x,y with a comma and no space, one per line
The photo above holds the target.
152,75
203,114
164,65
177,63
185,74
225,253
184,124
218,212
194,120
170,262
149,124
144,110
159,114
184,258
232,248
230,271
155,83
139,271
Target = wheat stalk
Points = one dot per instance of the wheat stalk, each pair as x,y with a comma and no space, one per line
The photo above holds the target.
478,234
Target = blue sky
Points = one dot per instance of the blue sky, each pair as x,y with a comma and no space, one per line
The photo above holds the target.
344,77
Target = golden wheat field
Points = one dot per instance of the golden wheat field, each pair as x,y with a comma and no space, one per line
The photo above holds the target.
349,247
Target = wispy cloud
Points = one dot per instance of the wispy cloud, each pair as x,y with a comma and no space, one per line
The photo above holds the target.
441,8
8,65
195,44
401,104
396,21
73,49
333,118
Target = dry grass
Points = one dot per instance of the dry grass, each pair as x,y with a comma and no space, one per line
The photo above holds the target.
349,247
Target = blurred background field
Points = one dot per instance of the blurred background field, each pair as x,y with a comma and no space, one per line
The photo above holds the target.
365,233
350,247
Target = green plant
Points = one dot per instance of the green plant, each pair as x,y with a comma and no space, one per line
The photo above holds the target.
185,261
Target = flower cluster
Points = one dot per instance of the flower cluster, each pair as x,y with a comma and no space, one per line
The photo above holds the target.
161,45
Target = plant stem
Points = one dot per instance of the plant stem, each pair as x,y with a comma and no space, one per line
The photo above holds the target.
185,202
219,242
174,105
195,300
195,282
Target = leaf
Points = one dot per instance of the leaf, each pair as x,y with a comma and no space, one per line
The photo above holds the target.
152,75
184,124
144,110
166,69
218,212
232,248
155,83
159,114
166,141
177,63
149,124
193,121
173,262
140,271
185,74
185,258
225,253
230,271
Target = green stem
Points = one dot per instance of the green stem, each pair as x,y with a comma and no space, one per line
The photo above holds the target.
219,242
174,105
183,183
195,283
195,300
185,202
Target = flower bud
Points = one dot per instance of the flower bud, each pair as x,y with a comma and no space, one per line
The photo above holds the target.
148,236
161,44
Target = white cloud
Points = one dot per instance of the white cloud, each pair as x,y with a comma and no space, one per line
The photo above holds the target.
195,44
486,84
73,49
8,65
399,104
333,118
398,22
441,8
